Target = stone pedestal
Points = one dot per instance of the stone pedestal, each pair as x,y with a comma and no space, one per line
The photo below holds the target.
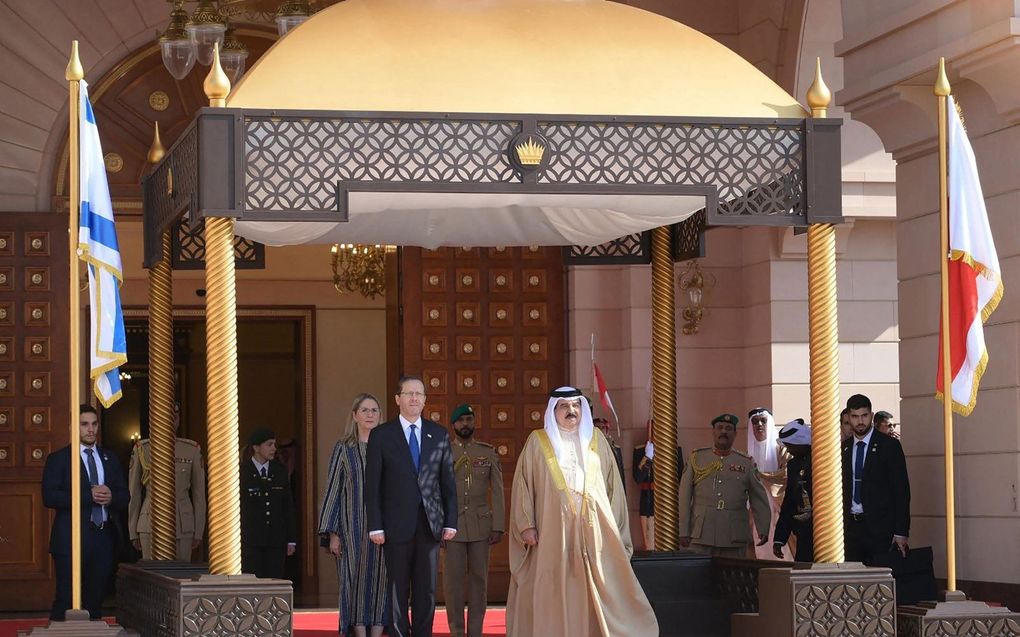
77,624
849,600
956,616
178,599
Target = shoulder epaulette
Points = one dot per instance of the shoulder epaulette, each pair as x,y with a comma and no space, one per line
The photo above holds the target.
701,449
188,441
741,454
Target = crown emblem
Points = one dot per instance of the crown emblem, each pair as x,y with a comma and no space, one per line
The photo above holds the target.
529,153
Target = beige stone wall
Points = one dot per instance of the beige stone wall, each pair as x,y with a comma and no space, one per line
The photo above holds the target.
890,50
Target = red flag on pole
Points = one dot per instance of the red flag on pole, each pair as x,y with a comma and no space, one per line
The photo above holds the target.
600,385
975,282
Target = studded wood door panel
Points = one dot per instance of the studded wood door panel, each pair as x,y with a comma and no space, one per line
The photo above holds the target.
486,326
33,396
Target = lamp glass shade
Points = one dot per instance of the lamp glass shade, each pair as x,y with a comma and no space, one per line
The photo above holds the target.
233,62
695,294
178,56
204,37
285,23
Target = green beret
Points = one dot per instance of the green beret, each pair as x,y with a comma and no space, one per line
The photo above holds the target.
260,435
729,418
461,410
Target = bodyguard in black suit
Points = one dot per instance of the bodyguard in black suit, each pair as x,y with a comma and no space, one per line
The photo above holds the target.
411,504
268,520
104,494
876,489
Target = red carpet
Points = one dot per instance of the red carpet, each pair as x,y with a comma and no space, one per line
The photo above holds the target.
306,624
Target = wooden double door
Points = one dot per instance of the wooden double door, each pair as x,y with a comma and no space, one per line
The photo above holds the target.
487,327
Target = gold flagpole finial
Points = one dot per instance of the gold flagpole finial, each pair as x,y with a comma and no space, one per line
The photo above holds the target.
942,87
217,84
74,70
156,150
819,96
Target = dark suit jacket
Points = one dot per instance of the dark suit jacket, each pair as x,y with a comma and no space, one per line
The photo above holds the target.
393,490
885,488
267,506
56,488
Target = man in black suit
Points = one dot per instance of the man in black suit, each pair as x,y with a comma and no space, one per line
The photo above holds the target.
268,520
104,494
411,503
876,490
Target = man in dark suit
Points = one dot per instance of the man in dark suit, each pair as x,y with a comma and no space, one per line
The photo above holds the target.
104,494
268,520
876,490
411,503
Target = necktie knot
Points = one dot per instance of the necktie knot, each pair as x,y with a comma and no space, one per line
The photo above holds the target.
263,471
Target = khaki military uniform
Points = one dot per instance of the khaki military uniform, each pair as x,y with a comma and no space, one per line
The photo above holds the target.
189,481
714,494
478,473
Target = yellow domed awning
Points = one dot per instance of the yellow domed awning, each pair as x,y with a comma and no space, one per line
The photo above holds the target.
571,57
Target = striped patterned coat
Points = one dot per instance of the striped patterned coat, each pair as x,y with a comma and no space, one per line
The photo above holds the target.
360,568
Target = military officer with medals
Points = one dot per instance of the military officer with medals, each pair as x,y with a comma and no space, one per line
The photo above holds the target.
189,486
268,517
715,489
480,524
795,514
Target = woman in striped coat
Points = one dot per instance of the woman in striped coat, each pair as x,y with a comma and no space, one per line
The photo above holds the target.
364,603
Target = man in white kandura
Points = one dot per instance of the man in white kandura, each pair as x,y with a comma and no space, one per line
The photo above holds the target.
570,545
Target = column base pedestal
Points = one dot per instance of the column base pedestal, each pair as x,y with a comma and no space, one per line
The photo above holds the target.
77,623
956,616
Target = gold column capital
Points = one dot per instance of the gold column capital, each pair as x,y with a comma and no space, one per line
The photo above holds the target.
217,84
819,96
156,150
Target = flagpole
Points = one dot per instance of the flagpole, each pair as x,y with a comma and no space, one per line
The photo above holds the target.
942,90
74,74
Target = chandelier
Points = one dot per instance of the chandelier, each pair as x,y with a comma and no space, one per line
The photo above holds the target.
359,268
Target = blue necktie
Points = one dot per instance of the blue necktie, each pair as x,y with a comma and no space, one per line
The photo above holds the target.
412,441
858,471
97,509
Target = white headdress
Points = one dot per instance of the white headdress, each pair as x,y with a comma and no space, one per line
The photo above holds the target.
796,432
764,453
585,427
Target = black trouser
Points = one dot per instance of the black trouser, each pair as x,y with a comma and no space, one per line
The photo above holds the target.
862,541
411,569
264,561
805,543
97,566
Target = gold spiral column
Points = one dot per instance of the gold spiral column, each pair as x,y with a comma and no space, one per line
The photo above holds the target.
823,329
162,434
221,352
664,391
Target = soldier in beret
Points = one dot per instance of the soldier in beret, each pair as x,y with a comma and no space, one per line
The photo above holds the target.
189,485
480,524
715,489
268,519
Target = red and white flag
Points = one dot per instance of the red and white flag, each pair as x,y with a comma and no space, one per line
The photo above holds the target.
975,282
600,385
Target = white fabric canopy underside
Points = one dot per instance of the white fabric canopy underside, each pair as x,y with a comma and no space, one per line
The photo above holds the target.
432,220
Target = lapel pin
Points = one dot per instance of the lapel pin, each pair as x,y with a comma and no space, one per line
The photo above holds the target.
428,435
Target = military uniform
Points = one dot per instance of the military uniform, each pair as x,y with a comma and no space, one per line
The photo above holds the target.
714,493
268,519
189,484
477,468
796,511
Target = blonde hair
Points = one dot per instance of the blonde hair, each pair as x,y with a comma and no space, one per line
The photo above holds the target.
351,432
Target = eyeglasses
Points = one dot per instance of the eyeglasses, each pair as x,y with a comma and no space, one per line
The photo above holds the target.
368,410
412,394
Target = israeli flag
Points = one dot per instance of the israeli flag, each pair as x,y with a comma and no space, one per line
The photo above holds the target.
97,246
